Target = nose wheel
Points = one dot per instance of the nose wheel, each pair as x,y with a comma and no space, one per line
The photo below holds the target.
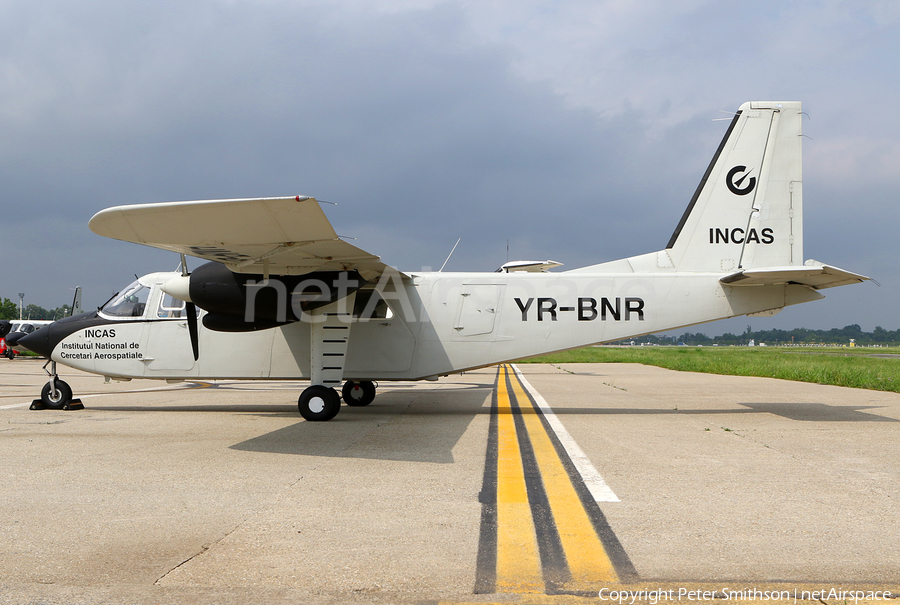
56,394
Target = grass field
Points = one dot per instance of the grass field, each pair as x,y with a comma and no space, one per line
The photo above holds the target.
856,368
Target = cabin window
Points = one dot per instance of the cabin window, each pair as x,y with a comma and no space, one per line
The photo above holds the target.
170,307
370,305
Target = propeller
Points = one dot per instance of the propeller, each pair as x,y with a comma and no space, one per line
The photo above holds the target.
191,310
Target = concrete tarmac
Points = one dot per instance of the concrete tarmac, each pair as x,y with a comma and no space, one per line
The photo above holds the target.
220,493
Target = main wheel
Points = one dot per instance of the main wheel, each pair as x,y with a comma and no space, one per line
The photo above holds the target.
319,402
358,393
58,400
10,354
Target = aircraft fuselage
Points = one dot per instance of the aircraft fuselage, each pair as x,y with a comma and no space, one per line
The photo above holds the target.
437,324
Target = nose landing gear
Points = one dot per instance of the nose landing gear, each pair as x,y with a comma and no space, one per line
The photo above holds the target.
56,394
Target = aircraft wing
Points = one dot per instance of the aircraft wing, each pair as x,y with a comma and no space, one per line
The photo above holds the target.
280,235
817,276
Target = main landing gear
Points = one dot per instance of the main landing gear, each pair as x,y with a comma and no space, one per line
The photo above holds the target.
319,402
56,394
358,393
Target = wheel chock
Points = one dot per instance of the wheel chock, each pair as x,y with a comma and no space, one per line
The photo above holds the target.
75,404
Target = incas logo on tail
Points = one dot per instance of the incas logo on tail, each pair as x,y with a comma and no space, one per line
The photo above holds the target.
735,186
737,235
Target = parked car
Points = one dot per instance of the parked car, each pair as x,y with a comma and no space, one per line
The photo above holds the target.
7,351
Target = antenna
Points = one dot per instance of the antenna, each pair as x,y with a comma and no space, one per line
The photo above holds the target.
449,255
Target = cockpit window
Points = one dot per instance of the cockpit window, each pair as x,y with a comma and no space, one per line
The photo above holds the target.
130,303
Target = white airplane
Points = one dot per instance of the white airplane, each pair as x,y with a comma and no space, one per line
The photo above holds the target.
18,328
285,298
14,330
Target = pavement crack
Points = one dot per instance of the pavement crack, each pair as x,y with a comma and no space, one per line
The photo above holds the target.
207,547
203,549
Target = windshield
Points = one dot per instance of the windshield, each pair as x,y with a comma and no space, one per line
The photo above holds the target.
130,303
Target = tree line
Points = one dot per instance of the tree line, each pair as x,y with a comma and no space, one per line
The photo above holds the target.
775,337
10,310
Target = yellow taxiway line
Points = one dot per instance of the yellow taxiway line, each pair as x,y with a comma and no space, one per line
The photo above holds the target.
541,530
518,560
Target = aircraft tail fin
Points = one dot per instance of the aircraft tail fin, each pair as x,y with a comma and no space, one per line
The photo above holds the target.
747,211
76,302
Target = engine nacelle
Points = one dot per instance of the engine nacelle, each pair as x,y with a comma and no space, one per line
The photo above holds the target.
244,302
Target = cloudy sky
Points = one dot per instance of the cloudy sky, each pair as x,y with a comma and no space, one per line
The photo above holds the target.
575,131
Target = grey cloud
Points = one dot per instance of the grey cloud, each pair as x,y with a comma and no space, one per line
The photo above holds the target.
418,126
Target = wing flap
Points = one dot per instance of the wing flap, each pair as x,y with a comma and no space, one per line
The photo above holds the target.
282,235
817,276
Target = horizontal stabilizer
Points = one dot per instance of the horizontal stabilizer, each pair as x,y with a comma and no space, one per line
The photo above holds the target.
815,276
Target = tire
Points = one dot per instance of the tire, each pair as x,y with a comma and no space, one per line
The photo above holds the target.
318,403
63,395
10,354
358,393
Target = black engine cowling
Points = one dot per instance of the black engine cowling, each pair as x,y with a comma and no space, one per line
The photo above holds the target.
243,302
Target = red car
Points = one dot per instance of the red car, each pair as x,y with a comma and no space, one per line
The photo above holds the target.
6,351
